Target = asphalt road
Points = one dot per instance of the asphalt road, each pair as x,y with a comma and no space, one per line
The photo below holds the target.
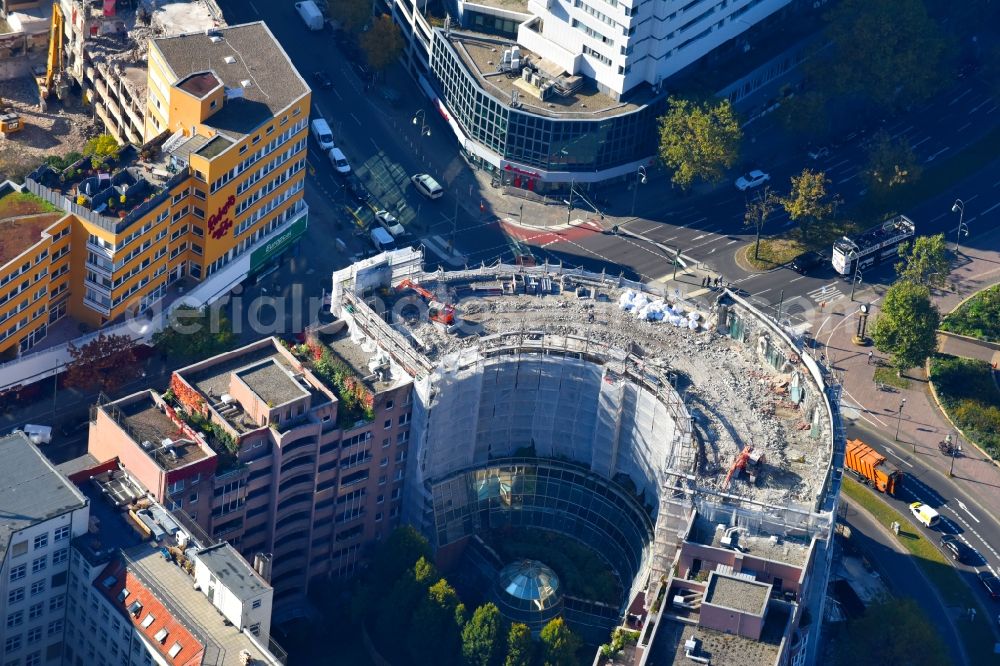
961,514
899,571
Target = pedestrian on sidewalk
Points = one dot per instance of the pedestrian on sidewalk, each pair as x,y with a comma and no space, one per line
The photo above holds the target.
871,355
717,281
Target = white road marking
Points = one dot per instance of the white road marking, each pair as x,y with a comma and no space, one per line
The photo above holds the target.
994,206
356,119
732,241
901,132
698,237
935,219
924,140
955,100
834,166
826,294
905,462
964,127
964,508
934,156
849,178
795,279
253,8
334,89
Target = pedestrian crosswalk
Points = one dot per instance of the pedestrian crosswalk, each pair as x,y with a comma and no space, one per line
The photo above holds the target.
828,293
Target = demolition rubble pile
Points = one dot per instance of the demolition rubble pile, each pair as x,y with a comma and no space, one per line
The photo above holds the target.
733,396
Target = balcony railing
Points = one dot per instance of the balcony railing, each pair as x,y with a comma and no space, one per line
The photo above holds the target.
99,307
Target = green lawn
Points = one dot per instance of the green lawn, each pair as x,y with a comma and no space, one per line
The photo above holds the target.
969,395
781,248
976,635
978,317
24,203
773,252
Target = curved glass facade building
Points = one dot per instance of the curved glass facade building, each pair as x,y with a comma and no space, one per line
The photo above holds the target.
585,136
528,592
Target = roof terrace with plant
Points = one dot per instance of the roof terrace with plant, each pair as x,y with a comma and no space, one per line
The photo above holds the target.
114,186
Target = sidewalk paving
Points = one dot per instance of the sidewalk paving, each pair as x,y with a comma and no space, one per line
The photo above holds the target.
921,424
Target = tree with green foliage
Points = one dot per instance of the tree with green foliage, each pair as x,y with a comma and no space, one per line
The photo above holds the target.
805,114
195,333
100,149
699,140
434,635
924,261
382,43
352,15
906,326
520,646
759,208
809,201
106,363
886,50
559,644
396,608
890,164
482,637
891,632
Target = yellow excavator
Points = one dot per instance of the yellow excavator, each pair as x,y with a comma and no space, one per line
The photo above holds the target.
53,78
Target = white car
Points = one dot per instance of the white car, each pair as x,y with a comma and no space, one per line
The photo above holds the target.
339,161
390,223
748,181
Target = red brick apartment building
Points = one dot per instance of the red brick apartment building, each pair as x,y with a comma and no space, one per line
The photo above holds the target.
260,449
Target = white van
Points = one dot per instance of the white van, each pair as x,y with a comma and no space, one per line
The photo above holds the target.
925,514
310,14
339,161
427,186
381,239
322,133
38,434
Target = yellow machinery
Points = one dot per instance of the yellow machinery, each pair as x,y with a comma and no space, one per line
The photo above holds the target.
10,122
54,64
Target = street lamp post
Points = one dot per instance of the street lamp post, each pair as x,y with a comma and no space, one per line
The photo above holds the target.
963,228
856,280
420,118
899,421
640,180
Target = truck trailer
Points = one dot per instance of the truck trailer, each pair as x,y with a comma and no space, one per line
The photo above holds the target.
871,468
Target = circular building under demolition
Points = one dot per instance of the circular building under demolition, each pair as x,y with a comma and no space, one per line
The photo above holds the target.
690,445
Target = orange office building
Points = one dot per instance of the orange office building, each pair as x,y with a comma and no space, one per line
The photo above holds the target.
213,198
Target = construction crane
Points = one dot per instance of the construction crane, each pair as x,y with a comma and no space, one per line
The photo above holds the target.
54,64
747,456
437,311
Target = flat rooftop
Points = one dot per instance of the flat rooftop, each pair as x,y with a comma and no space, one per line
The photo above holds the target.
113,532
272,382
357,357
747,596
777,547
17,234
261,69
482,53
31,490
232,570
175,589
510,5
720,648
269,374
148,424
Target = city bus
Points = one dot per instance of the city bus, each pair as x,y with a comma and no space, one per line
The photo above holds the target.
874,246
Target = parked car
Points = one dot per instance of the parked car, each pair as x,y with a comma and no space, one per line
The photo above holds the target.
749,181
991,583
958,550
322,80
358,191
390,223
807,261
339,161
427,186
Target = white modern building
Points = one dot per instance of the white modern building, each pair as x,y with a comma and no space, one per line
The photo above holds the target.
547,93
40,513
621,44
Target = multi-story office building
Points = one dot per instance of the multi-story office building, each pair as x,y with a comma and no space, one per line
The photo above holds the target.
41,513
215,196
144,590
297,462
566,90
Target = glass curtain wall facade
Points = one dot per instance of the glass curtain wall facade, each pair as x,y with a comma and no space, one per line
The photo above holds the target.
546,494
547,143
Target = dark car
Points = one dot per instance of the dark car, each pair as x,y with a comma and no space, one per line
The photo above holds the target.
991,583
958,550
358,191
322,80
807,261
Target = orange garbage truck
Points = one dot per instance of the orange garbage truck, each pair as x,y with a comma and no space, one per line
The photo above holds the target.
871,467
